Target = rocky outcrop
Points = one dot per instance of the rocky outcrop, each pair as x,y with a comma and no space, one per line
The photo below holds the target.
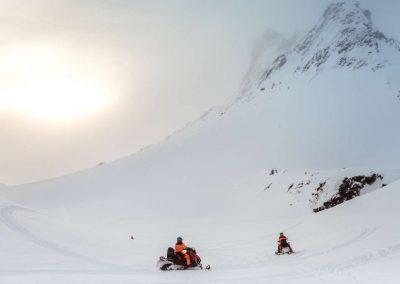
349,188
276,65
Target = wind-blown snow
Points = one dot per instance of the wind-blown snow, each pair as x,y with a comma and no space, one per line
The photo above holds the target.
322,110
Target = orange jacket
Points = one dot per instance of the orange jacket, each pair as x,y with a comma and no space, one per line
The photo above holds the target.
282,238
179,247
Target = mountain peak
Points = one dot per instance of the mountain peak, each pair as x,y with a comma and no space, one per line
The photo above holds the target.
346,12
347,31
344,37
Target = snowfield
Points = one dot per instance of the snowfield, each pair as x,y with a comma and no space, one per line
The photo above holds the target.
356,242
315,127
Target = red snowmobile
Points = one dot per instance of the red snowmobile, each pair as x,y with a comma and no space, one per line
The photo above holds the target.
176,262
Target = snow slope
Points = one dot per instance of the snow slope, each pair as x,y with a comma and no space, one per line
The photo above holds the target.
321,110
348,244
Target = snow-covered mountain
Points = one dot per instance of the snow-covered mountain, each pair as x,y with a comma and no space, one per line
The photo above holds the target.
329,102
344,37
316,123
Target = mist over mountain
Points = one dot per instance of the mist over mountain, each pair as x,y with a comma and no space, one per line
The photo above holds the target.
328,101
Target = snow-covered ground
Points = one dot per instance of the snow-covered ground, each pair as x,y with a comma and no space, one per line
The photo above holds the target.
356,242
324,109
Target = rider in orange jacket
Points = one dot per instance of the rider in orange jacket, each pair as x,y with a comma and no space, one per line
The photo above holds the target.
283,243
179,250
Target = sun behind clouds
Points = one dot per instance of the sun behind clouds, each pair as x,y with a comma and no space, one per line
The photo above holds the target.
49,83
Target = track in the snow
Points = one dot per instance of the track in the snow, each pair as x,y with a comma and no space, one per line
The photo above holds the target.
7,217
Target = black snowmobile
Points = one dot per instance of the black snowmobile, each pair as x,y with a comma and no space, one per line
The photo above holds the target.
284,250
176,262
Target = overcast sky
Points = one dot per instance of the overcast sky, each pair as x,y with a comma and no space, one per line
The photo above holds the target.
160,64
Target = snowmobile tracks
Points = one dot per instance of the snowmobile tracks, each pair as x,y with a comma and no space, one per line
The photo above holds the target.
373,255
7,217
365,233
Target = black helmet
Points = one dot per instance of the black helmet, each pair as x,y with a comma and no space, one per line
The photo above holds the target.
281,234
179,239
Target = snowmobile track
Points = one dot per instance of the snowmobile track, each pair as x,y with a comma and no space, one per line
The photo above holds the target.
7,217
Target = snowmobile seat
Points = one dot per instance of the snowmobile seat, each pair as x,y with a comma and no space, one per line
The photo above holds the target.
170,254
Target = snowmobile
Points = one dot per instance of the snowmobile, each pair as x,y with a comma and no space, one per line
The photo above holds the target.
175,262
284,250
